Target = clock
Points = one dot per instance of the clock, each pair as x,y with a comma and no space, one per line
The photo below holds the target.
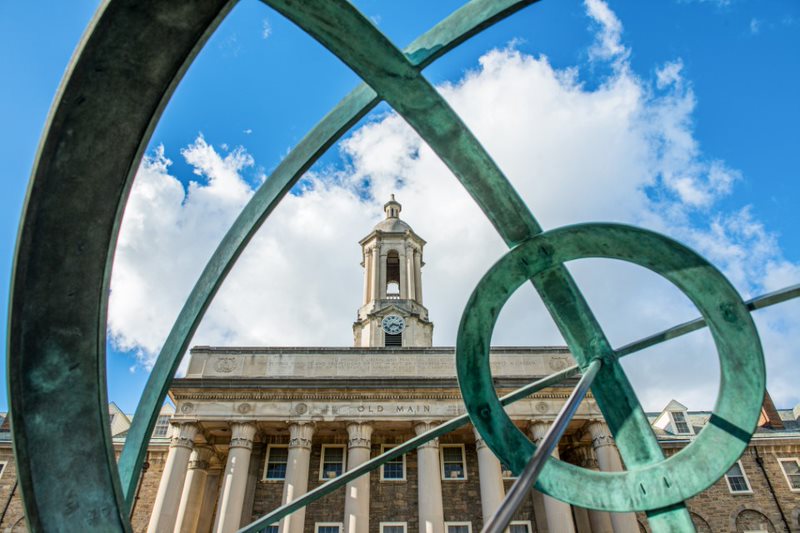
393,324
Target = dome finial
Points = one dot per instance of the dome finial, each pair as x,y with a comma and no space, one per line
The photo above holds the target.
392,208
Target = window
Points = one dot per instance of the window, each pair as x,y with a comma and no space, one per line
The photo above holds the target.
791,469
277,458
393,275
519,526
162,426
679,423
271,529
394,470
3,467
328,527
393,340
331,462
737,480
458,527
453,462
393,527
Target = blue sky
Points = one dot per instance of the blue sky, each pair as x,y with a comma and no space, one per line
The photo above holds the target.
260,84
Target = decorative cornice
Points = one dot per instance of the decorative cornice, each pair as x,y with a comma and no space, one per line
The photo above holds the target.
343,396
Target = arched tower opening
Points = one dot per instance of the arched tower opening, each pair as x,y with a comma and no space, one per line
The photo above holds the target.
393,275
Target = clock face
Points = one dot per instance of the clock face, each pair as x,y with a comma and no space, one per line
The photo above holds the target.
393,324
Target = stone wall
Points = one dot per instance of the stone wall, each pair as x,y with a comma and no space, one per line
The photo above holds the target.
9,490
148,487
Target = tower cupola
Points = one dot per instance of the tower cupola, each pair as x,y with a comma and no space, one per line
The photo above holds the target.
392,313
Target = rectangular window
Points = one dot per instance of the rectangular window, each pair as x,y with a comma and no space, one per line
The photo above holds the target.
271,529
453,461
393,527
275,465
395,340
737,479
519,526
458,527
681,426
394,470
162,426
791,469
331,462
328,527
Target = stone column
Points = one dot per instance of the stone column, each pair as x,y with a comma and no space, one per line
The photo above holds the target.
412,289
234,482
356,500
429,483
600,520
193,489
296,483
491,478
382,280
376,272
367,276
403,281
418,274
165,508
558,513
608,460
207,509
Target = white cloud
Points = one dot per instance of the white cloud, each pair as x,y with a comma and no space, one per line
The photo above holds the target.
266,29
623,151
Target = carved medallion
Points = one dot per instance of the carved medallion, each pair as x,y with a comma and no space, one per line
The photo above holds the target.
225,365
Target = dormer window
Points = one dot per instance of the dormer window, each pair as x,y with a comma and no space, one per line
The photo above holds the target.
679,423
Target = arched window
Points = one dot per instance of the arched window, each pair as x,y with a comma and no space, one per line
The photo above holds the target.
393,275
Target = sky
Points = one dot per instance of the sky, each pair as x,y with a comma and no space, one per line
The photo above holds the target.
678,116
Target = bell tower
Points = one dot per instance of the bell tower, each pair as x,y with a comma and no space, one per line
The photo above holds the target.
392,313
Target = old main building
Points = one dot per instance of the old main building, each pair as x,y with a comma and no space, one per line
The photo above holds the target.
254,428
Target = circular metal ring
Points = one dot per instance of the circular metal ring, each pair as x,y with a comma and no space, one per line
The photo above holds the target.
715,448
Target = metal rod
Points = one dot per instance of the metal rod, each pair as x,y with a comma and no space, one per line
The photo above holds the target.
500,520
759,302
397,451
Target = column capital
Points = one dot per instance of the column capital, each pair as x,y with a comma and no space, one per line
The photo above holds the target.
584,457
423,427
359,435
479,442
300,434
201,455
242,435
599,433
183,435
537,429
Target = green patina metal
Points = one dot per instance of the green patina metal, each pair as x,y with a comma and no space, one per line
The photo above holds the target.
641,488
453,30
96,133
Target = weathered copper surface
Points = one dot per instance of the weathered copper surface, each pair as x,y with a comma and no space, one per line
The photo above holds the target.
97,131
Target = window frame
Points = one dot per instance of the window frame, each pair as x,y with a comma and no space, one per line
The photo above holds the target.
166,435
685,420
385,447
404,525
270,447
527,523
782,460
322,464
318,525
272,525
463,462
448,524
746,481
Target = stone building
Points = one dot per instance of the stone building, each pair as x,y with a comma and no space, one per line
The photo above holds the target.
254,428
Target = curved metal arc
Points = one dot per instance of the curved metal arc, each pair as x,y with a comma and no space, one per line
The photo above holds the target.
759,302
375,59
453,30
516,495
409,445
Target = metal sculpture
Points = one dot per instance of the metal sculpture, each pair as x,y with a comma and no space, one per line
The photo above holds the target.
96,134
